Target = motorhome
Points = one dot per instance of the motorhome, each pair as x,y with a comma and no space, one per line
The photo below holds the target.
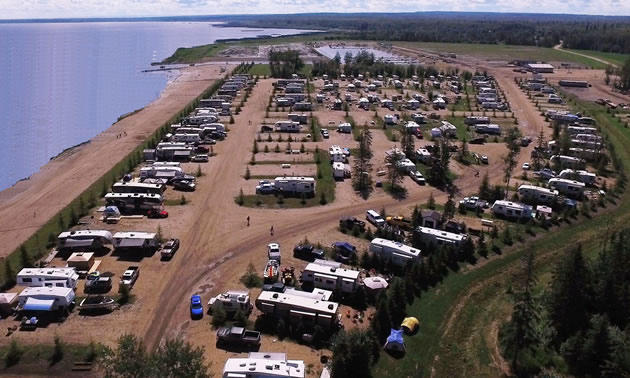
339,170
512,210
330,278
488,129
186,138
298,309
413,104
84,239
411,127
419,118
136,240
184,130
448,129
579,175
390,119
211,102
406,165
476,120
398,253
567,187
287,126
295,185
161,172
537,194
562,116
134,201
336,154
584,153
439,237
232,301
45,298
296,117
263,365
200,119
554,99
49,277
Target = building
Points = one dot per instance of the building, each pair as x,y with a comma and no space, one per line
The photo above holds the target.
439,237
48,277
84,239
45,298
298,309
397,253
540,67
331,278
263,365
430,218
82,262
510,209
136,240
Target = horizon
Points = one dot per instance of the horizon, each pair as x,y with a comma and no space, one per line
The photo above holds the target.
59,11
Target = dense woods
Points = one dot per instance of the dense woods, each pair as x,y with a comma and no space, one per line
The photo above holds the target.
285,63
609,34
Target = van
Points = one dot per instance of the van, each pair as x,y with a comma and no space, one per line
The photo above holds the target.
374,218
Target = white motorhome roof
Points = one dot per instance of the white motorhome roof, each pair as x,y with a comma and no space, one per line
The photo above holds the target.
134,235
537,188
86,234
337,272
133,195
263,368
38,291
320,306
513,205
566,181
49,272
399,247
442,234
305,179
338,165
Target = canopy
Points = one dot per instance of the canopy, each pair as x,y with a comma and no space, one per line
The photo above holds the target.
81,257
410,325
7,298
375,283
395,341
78,243
131,243
34,304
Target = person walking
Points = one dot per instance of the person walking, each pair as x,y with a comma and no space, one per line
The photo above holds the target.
271,230
248,221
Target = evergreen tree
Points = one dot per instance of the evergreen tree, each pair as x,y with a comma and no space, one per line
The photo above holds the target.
485,192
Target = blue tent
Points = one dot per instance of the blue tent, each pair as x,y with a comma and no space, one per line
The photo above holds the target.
395,341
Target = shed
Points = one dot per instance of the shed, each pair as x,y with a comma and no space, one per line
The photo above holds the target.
395,342
410,325
375,284
430,218
7,302
81,261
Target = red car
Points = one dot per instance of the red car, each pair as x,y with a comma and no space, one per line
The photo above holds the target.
418,133
157,214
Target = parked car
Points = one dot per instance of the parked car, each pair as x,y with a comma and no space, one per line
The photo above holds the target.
344,251
325,133
277,287
196,307
201,149
472,203
157,214
184,185
307,252
130,276
273,252
266,128
265,187
526,166
350,222
545,173
484,159
399,221
417,177
238,336
200,159
169,249
98,284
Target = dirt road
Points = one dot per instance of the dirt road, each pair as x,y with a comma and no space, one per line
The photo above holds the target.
29,204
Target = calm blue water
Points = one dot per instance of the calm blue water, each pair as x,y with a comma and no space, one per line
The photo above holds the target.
61,84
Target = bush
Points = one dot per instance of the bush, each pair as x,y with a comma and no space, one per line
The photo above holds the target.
322,199
183,200
218,316
13,355
125,295
251,278
241,198
57,350
248,174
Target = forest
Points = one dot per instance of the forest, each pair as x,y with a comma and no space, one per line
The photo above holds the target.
608,34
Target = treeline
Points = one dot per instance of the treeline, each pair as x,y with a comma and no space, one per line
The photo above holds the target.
582,316
610,34
283,64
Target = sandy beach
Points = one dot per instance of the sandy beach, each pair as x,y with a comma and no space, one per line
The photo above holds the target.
29,204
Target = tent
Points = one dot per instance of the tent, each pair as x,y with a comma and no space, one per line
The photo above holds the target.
81,260
375,283
395,342
410,325
7,301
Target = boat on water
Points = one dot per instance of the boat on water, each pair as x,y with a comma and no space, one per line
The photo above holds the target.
272,270
96,302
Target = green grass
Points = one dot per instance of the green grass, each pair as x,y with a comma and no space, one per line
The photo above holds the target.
462,129
614,58
325,184
35,358
264,70
194,54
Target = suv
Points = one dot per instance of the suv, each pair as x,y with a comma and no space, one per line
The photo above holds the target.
200,158
184,185
308,252
265,187
169,249
325,133
350,222
98,284
417,177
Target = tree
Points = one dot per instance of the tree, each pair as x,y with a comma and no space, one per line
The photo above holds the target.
25,259
179,359
431,202
128,360
449,206
361,179
251,278
218,316
397,302
58,350
463,153
440,159
408,145
353,353
382,321
283,64
394,176
514,147
485,192
537,159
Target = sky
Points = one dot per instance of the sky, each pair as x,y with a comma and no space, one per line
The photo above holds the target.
21,9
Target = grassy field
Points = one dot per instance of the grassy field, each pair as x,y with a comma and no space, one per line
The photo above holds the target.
460,317
618,59
263,70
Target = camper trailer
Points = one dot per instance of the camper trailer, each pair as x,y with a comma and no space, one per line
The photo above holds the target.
567,161
336,154
287,126
298,309
137,187
339,170
476,120
136,240
512,210
567,187
161,172
439,237
263,365
45,298
398,253
302,119
579,175
232,301
48,277
423,155
134,201
186,138
537,194
330,278
295,185
84,239
488,129
344,128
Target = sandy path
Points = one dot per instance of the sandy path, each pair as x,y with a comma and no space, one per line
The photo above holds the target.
603,61
29,204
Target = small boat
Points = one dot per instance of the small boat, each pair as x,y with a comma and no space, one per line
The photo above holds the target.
272,269
96,302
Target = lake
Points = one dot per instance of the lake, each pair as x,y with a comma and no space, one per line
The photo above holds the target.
63,83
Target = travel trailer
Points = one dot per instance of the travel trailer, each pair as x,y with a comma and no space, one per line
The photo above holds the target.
537,194
510,209
330,278
423,155
439,237
298,309
134,201
84,239
287,126
161,172
339,170
476,120
45,298
567,187
48,277
295,185
232,301
263,365
567,161
397,253
136,240
138,187
186,138
579,175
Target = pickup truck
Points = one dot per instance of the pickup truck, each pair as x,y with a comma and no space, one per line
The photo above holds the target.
169,249
130,276
238,336
399,221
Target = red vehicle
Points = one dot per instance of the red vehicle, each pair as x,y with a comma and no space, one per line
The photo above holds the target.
157,214
418,133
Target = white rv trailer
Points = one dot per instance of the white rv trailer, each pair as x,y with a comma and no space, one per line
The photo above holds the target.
45,298
397,253
568,161
295,185
137,187
186,138
83,239
423,155
580,175
133,240
49,277
344,128
161,172
263,365
537,193
441,237
287,126
134,201
566,186
214,126
573,130
298,309
201,119
339,170
317,293
186,130
510,209
476,120
330,278
232,301
336,154
589,137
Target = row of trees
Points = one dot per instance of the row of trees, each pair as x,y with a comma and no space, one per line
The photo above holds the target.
283,64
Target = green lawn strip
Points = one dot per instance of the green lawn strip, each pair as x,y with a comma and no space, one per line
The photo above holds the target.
614,58
462,128
38,357
194,54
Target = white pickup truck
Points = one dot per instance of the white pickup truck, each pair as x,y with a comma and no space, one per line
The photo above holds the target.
130,276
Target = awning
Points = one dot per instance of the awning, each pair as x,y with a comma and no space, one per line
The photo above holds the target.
34,304
131,243
78,243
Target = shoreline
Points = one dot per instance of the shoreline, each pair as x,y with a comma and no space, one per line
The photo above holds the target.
30,203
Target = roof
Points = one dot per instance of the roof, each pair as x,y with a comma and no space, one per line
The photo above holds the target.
134,235
261,367
395,336
410,323
431,214
86,234
49,272
537,188
514,205
78,243
540,65
442,234
81,256
375,283
7,298
305,179
296,301
400,247
337,272
131,243
45,291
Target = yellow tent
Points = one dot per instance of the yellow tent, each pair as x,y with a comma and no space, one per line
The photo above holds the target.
410,325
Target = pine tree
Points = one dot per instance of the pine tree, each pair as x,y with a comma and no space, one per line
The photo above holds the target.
485,192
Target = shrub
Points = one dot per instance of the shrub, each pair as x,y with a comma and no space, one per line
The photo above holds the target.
322,199
123,290
13,355
57,350
241,198
183,200
218,316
